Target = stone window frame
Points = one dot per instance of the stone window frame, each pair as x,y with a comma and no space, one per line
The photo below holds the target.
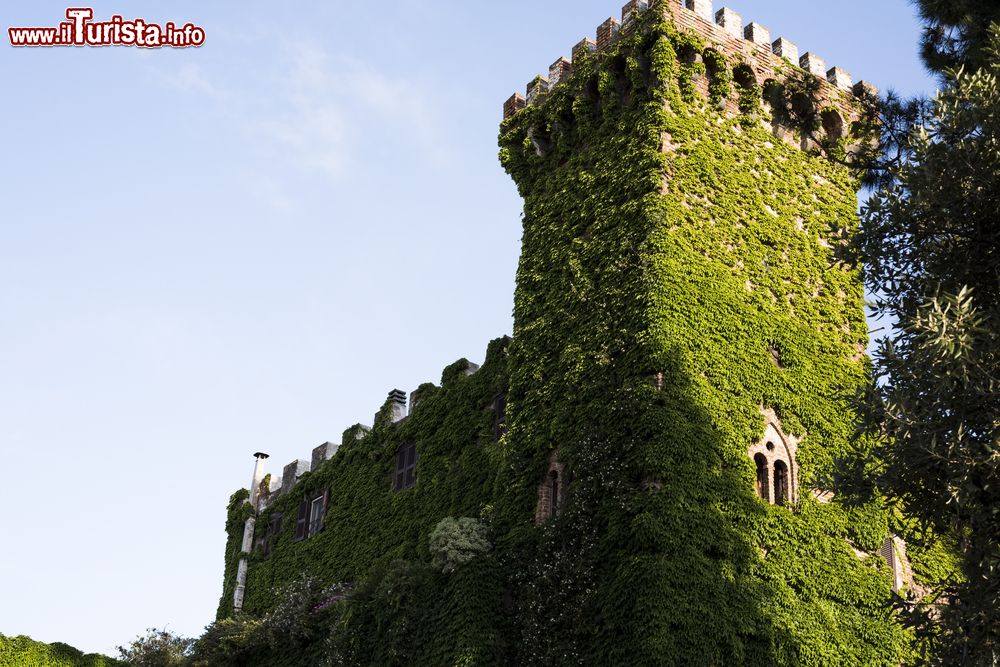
551,505
893,551
777,447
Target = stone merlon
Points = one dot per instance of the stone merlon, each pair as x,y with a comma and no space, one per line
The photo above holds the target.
724,29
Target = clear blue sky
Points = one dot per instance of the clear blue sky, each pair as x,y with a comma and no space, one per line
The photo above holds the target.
243,247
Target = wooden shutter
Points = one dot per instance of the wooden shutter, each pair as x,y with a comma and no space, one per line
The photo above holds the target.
302,522
400,478
411,465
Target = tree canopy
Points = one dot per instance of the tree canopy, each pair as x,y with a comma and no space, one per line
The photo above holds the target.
931,245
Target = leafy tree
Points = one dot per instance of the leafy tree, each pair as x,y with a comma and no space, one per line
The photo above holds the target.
931,243
956,32
157,648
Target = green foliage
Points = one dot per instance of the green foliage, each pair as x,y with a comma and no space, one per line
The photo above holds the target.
23,651
956,32
381,538
651,287
157,648
932,245
681,270
456,542
294,633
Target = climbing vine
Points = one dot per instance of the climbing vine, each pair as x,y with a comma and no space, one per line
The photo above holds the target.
681,271
670,251
22,651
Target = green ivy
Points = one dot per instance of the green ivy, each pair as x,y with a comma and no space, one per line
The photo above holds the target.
405,609
23,651
668,251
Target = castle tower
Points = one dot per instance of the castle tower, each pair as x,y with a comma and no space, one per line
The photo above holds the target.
687,326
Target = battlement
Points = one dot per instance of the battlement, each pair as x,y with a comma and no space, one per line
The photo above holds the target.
397,408
747,45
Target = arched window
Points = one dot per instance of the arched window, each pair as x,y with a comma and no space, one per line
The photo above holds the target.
833,124
552,491
763,486
780,483
774,458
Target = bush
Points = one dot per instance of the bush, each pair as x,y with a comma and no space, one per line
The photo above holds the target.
157,648
455,542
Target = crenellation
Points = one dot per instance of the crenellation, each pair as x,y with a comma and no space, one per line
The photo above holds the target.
840,78
323,453
631,11
559,71
730,21
513,105
758,34
291,473
813,64
584,46
783,48
537,87
864,89
606,32
702,8
750,45
270,487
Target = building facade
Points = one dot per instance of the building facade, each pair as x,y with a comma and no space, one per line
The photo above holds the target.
649,452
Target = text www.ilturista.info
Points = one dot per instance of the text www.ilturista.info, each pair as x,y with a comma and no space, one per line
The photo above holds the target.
82,30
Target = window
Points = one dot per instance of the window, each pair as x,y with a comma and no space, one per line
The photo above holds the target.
312,515
775,480
406,467
268,537
316,513
780,483
552,491
499,416
555,498
763,485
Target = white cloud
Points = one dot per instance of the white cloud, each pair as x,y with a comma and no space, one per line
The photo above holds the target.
313,107
191,78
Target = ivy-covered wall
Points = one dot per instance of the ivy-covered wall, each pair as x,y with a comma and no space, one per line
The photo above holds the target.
682,271
370,528
25,652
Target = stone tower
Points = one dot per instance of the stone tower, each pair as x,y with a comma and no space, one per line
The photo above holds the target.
688,324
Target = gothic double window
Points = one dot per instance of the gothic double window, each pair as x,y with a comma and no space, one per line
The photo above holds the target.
774,461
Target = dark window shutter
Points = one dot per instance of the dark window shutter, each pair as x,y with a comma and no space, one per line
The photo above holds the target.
499,416
302,522
400,475
411,467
